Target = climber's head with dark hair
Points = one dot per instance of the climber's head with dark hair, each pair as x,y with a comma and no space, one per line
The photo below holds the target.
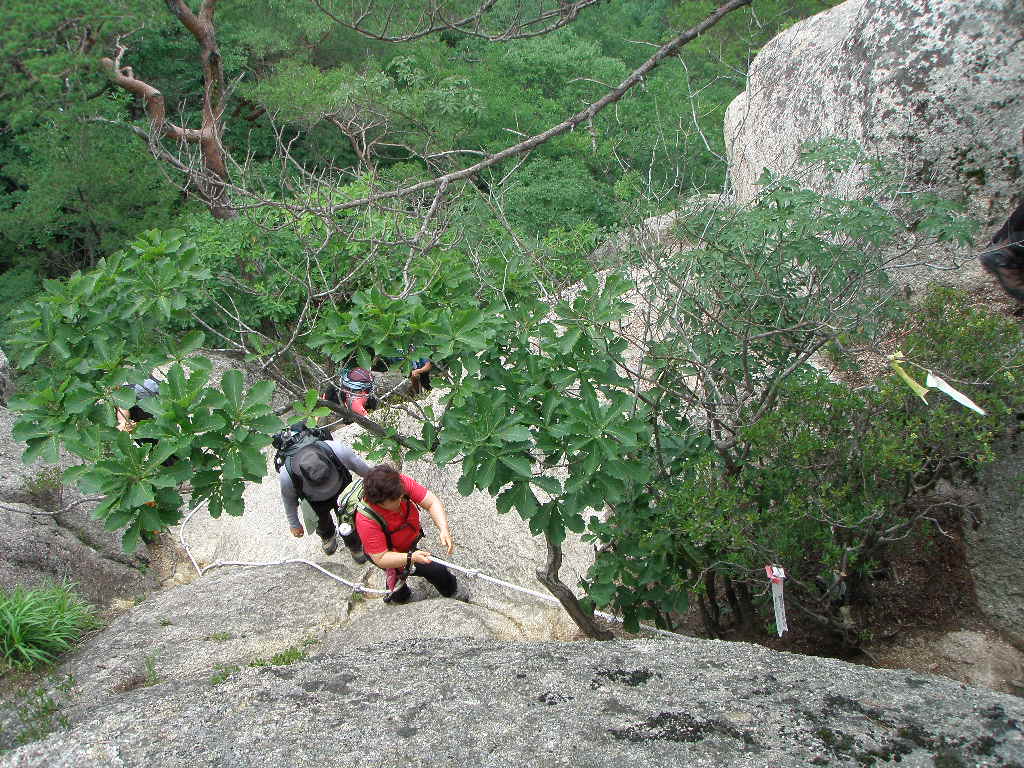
382,484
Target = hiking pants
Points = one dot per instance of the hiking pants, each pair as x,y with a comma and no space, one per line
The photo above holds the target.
436,574
325,526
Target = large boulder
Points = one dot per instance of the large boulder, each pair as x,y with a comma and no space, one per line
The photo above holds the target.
36,550
996,547
465,701
935,85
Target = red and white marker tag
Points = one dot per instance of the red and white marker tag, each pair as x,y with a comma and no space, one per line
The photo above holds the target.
776,574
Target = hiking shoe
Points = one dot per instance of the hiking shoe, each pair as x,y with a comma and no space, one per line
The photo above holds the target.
330,545
462,593
356,550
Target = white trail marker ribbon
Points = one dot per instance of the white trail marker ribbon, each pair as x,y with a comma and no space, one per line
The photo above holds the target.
776,574
960,397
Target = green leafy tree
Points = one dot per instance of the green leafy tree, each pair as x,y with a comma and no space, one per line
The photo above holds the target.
629,394
98,331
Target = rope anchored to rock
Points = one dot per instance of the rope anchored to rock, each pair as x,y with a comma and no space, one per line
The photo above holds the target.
472,573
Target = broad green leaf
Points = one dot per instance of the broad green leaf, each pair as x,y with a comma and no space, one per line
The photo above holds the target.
445,453
505,500
601,593
485,473
118,519
515,433
130,540
204,421
465,485
139,494
191,343
549,484
260,392
150,519
267,424
232,466
79,400
517,463
161,452
123,397
232,383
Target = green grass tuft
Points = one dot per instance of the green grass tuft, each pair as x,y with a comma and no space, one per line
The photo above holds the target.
222,672
37,625
288,656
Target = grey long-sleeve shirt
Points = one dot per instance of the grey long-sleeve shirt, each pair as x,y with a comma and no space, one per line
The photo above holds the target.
290,497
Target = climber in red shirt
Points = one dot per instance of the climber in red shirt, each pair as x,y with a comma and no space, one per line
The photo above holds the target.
388,523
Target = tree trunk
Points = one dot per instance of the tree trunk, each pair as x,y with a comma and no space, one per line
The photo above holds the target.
210,180
747,604
705,613
709,605
548,576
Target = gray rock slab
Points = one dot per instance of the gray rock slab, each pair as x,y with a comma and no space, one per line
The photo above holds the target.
450,702
937,86
235,616
995,548
37,545
35,550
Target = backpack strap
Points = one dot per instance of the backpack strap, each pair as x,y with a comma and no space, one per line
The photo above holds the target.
365,510
371,514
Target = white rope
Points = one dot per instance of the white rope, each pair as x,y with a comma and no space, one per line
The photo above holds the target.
248,564
475,574
470,572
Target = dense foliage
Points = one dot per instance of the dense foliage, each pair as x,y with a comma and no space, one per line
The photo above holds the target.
677,392
76,183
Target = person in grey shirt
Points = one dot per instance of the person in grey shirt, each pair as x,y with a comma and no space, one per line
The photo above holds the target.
319,480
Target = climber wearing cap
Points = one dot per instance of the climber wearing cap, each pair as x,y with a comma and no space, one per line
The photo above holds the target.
318,472
128,418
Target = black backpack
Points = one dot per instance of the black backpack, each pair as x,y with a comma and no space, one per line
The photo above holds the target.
288,442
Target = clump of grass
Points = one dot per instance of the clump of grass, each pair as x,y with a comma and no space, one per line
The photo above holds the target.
287,656
151,677
37,713
45,488
37,625
223,672
220,637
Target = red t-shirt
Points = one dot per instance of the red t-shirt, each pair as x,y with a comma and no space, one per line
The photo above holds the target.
358,404
374,541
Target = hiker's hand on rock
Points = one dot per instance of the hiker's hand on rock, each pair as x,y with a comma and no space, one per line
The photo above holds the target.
298,533
448,542
421,556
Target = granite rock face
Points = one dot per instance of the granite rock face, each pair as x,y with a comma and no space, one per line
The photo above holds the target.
934,86
454,702
39,543
996,547
937,84
35,550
